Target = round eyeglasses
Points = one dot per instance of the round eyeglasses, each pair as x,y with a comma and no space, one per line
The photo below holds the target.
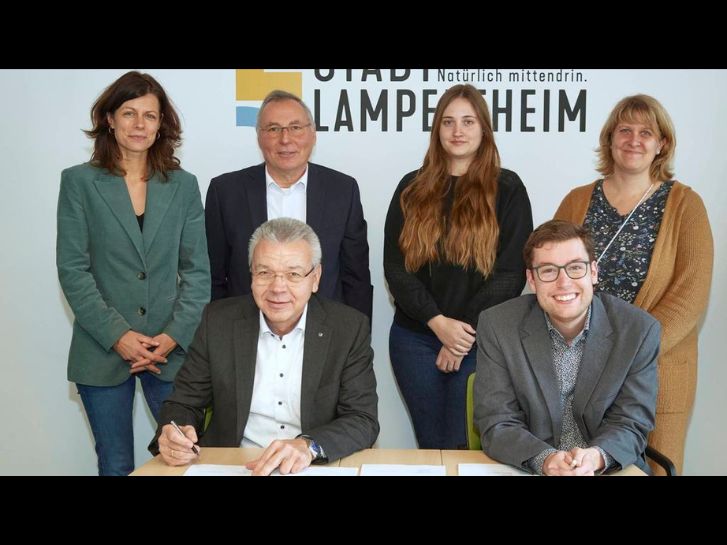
550,272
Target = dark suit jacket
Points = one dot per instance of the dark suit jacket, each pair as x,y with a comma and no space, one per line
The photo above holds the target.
338,392
117,278
517,399
236,206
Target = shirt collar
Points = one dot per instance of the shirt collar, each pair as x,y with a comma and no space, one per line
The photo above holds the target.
265,328
586,325
270,182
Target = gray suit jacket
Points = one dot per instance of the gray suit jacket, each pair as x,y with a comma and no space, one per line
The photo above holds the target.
517,400
338,391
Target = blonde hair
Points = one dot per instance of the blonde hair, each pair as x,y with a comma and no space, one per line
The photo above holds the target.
649,111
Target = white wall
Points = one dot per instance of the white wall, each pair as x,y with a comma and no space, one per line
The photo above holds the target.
42,112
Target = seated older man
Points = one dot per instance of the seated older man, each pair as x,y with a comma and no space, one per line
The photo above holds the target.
282,368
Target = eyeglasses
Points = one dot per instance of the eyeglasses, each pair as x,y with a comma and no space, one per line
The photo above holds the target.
293,130
265,277
550,272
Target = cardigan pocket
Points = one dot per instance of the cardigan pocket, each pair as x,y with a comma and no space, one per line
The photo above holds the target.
675,387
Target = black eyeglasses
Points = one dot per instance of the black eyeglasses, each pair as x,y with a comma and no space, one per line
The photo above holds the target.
550,272
291,277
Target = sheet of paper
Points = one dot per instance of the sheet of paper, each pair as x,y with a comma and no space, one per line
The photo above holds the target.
315,471
384,470
490,470
216,470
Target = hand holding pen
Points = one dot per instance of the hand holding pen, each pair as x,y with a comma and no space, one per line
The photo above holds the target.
195,448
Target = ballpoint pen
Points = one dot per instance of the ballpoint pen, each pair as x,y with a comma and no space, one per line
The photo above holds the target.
195,448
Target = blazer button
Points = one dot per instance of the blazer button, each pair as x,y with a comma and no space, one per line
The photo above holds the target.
141,275
141,311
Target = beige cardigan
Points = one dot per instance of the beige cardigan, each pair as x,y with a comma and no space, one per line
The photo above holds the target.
675,292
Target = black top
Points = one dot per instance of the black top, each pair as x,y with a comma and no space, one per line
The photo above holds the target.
622,270
451,290
140,219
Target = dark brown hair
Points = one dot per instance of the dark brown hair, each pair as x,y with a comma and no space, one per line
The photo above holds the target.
472,235
106,153
556,231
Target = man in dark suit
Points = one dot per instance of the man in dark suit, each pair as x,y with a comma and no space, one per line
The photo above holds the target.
566,381
282,368
287,185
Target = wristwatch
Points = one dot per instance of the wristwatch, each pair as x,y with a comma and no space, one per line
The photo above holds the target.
314,448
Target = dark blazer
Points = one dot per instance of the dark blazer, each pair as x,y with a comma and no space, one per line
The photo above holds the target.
338,392
117,278
517,398
236,205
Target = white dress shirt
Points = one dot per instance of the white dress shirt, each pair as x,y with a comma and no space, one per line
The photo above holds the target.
286,202
275,406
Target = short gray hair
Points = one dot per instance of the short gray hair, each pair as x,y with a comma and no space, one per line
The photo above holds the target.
284,231
277,96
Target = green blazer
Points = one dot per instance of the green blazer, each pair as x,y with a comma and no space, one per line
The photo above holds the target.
117,278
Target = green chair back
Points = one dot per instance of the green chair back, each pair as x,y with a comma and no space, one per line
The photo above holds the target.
473,434
207,417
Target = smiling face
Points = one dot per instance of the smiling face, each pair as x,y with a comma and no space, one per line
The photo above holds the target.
286,155
135,125
634,146
565,300
460,132
282,302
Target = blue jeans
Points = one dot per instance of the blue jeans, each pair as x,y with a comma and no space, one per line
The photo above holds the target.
109,410
436,400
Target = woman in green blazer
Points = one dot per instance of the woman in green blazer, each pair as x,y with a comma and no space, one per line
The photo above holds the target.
132,262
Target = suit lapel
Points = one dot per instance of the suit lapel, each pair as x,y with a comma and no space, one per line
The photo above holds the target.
246,331
595,356
112,190
315,355
539,350
315,196
159,196
257,197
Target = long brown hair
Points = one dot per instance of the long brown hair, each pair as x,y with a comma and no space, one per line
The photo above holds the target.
472,235
106,153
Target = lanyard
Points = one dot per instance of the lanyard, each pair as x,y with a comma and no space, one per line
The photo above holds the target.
643,197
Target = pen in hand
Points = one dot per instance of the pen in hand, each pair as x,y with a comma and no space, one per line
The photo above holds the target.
195,448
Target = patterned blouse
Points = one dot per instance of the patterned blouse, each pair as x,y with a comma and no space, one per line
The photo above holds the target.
623,269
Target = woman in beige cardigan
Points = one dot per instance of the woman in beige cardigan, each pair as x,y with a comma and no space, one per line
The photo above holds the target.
655,250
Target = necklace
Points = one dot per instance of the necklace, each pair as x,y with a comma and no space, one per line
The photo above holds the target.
642,199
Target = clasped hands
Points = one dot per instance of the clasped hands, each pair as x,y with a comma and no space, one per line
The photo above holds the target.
144,353
573,463
457,338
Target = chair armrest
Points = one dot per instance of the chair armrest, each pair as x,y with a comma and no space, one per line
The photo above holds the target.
662,460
